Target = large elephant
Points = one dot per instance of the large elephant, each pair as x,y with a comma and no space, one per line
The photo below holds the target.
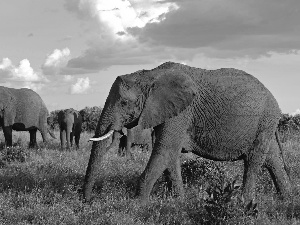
223,114
23,110
70,122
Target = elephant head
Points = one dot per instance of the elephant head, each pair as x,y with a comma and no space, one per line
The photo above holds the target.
7,107
142,98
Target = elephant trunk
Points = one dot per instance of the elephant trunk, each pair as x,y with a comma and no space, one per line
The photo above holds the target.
51,133
97,152
106,127
99,148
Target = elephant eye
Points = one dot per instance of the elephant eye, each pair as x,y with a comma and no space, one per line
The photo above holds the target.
124,103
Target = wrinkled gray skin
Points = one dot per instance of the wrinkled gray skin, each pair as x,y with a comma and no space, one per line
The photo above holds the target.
223,114
70,122
23,110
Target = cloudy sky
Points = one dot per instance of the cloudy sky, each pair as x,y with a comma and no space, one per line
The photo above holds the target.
71,51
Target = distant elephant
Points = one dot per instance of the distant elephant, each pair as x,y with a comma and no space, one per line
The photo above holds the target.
123,145
223,114
70,122
135,137
23,110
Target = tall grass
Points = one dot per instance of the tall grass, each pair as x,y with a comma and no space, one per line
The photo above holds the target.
43,186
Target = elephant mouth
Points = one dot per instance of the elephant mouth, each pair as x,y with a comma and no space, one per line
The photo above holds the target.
132,124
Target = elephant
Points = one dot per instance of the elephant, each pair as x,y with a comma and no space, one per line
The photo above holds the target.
122,148
70,122
224,115
23,110
136,137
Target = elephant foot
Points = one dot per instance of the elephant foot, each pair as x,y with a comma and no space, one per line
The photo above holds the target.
251,208
33,146
142,201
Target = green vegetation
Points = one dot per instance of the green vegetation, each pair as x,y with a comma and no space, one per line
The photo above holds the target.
42,186
90,116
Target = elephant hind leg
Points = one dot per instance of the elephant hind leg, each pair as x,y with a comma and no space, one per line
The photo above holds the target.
8,135
63,138
253,163
174,178
32,143
275,165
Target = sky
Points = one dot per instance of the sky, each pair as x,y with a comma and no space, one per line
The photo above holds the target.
71,51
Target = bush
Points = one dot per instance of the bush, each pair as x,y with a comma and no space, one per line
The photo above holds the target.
53,119
289,123
90,117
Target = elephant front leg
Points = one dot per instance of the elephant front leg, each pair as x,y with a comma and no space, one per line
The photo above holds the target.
62,139
68,136
7,130
157,164
174,178
165,155
71,138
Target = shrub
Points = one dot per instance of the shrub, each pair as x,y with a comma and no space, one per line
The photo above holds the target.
289,123
90,116
53,119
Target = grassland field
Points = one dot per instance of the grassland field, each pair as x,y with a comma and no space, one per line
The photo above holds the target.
43,186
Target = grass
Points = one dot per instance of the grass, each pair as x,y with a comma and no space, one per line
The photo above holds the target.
43,186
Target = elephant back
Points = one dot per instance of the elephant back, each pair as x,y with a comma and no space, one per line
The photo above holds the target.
28,107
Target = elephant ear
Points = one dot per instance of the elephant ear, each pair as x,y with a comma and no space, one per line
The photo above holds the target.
9,107
169,95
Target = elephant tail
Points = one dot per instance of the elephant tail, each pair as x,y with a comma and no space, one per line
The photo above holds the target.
281,152
51,133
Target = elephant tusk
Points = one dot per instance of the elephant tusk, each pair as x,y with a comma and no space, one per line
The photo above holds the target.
102,137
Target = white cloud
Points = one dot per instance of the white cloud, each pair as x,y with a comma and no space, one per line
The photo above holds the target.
25,72
146,31
33,86
56,61
81,86
110,42
22,75
57,57
119,15
68,78
6,63
116,16
295,113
